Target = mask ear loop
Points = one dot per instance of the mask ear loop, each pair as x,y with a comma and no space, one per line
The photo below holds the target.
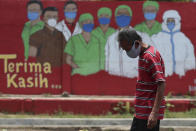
134,43
120,49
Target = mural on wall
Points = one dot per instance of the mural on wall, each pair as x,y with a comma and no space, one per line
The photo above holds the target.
82,50
175,47
48,43
150,25
34,11
69,26
117,61
103,31
65,42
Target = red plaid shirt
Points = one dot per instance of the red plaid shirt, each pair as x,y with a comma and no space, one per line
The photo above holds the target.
151,71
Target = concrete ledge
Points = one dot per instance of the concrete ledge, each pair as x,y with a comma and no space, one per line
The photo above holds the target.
111,128
86,122
179,122
76,105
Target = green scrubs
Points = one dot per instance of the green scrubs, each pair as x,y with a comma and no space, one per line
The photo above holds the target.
28,30
98,33
156,28
85,55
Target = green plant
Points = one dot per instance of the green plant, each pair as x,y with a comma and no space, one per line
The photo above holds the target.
171,129
83,130
65,94
167,111
123,108
46,94
193,103
169,105
169,95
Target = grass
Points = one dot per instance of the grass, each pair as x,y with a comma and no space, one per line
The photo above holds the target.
188,114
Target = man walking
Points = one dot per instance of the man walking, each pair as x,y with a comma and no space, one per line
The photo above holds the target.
149,102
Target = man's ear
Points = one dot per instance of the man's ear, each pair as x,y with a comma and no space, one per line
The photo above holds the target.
136,44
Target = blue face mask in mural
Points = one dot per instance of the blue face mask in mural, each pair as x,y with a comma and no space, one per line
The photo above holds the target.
104,20
170,25
32,15
88,27
150,16
70,15
123,20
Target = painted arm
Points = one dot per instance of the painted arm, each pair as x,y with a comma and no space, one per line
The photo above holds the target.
107,50
190,56
69,61
32,51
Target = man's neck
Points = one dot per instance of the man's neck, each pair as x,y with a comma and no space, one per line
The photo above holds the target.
143,47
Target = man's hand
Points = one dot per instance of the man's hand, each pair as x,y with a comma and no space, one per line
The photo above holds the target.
152,120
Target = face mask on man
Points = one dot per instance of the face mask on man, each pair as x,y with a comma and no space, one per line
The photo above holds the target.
52,22
170,25
150,16
88,27
70,15
32,15
134,52
104,20
123,20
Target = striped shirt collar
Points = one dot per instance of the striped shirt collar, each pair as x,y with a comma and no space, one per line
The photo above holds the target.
145,49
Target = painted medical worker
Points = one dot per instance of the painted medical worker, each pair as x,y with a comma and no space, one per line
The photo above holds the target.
150,25
117,62
47,45
69,26
103,31
34,11
174,46
83,50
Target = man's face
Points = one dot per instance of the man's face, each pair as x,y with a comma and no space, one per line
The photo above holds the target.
50,15
150,9
125,45
123,12
34,8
